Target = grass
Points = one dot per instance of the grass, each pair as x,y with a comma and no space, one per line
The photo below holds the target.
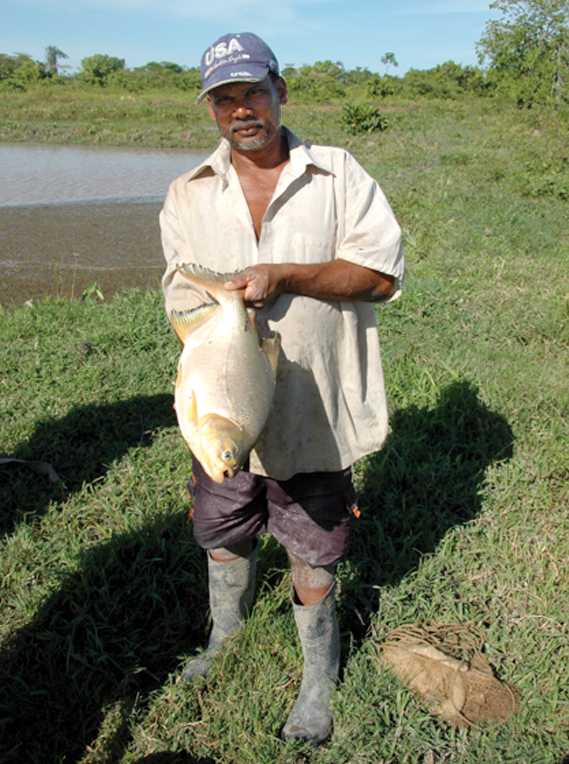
465,512
158,119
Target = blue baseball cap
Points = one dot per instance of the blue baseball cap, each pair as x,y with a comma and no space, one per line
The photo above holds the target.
240,57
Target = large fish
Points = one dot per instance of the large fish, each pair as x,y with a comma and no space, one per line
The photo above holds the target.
226,376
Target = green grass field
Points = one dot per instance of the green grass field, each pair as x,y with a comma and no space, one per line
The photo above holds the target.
465,513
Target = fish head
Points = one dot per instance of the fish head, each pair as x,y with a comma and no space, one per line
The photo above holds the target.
221,447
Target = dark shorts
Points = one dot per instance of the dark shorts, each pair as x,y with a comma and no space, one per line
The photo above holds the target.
310,514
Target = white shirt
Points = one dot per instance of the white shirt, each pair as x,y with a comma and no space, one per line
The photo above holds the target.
330,406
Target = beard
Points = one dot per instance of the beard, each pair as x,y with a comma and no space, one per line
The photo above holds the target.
253,143
268,129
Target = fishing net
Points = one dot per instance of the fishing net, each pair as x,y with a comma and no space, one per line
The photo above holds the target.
444,665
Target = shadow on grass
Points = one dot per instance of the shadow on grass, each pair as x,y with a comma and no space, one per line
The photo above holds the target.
171,758
80,447
109,636
427,479
114,630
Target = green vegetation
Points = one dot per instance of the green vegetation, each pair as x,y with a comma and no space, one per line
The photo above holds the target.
525,53
322,82
99,69
464,513
362,119
160,118
528,50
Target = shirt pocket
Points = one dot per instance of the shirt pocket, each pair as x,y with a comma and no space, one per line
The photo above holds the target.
311,248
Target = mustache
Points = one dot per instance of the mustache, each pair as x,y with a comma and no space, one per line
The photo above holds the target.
246,123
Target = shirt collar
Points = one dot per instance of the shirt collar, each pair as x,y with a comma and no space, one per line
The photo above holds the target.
300,157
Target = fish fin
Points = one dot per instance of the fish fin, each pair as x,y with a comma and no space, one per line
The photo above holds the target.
271,347
188,320
211,281
192,412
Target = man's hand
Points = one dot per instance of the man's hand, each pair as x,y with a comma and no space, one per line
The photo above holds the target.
337,280
260,284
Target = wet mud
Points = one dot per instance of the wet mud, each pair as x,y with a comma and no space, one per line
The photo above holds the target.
74,215
59,249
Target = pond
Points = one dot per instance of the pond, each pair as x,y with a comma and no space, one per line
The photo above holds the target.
71,215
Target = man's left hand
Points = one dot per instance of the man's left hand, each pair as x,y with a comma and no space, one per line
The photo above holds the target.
260,284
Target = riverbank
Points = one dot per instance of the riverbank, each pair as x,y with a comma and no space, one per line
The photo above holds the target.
63,250
448,167
73,216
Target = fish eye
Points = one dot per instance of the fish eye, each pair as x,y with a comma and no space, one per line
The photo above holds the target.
227,456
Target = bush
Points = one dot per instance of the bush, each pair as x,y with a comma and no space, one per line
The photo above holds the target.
361,119
380,87
320,83
447,80
97,69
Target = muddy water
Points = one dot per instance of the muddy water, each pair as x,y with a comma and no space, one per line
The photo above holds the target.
70,216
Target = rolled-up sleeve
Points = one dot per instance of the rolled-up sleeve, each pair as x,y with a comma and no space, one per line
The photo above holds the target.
368,232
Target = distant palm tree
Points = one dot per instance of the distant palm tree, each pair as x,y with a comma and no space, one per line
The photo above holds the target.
389,60
52,54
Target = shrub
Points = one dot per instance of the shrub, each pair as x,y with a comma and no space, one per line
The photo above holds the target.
96,70
320,83
379,87
361,119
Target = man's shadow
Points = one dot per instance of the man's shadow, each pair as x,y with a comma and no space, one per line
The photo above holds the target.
428,478
80,447
110,635
113,630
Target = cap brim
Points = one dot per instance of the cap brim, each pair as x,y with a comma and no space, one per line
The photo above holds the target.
258,73
205,91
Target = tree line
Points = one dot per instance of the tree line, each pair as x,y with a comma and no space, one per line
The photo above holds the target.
524,54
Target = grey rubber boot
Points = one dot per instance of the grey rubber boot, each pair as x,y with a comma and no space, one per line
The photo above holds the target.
231,591
311,717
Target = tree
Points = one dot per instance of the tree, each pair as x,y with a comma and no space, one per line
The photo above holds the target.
154,75
528,50
320,82
97,69
52,55
29,73
18,72
389,60
9,64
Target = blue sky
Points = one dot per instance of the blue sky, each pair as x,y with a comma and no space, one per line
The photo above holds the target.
421,33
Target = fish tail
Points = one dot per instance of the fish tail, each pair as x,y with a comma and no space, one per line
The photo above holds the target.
211,281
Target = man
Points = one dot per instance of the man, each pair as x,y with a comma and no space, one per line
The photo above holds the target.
314,243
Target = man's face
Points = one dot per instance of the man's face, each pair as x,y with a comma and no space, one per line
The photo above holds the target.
248,114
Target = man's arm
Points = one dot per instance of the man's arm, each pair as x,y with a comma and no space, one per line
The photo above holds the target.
337,280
